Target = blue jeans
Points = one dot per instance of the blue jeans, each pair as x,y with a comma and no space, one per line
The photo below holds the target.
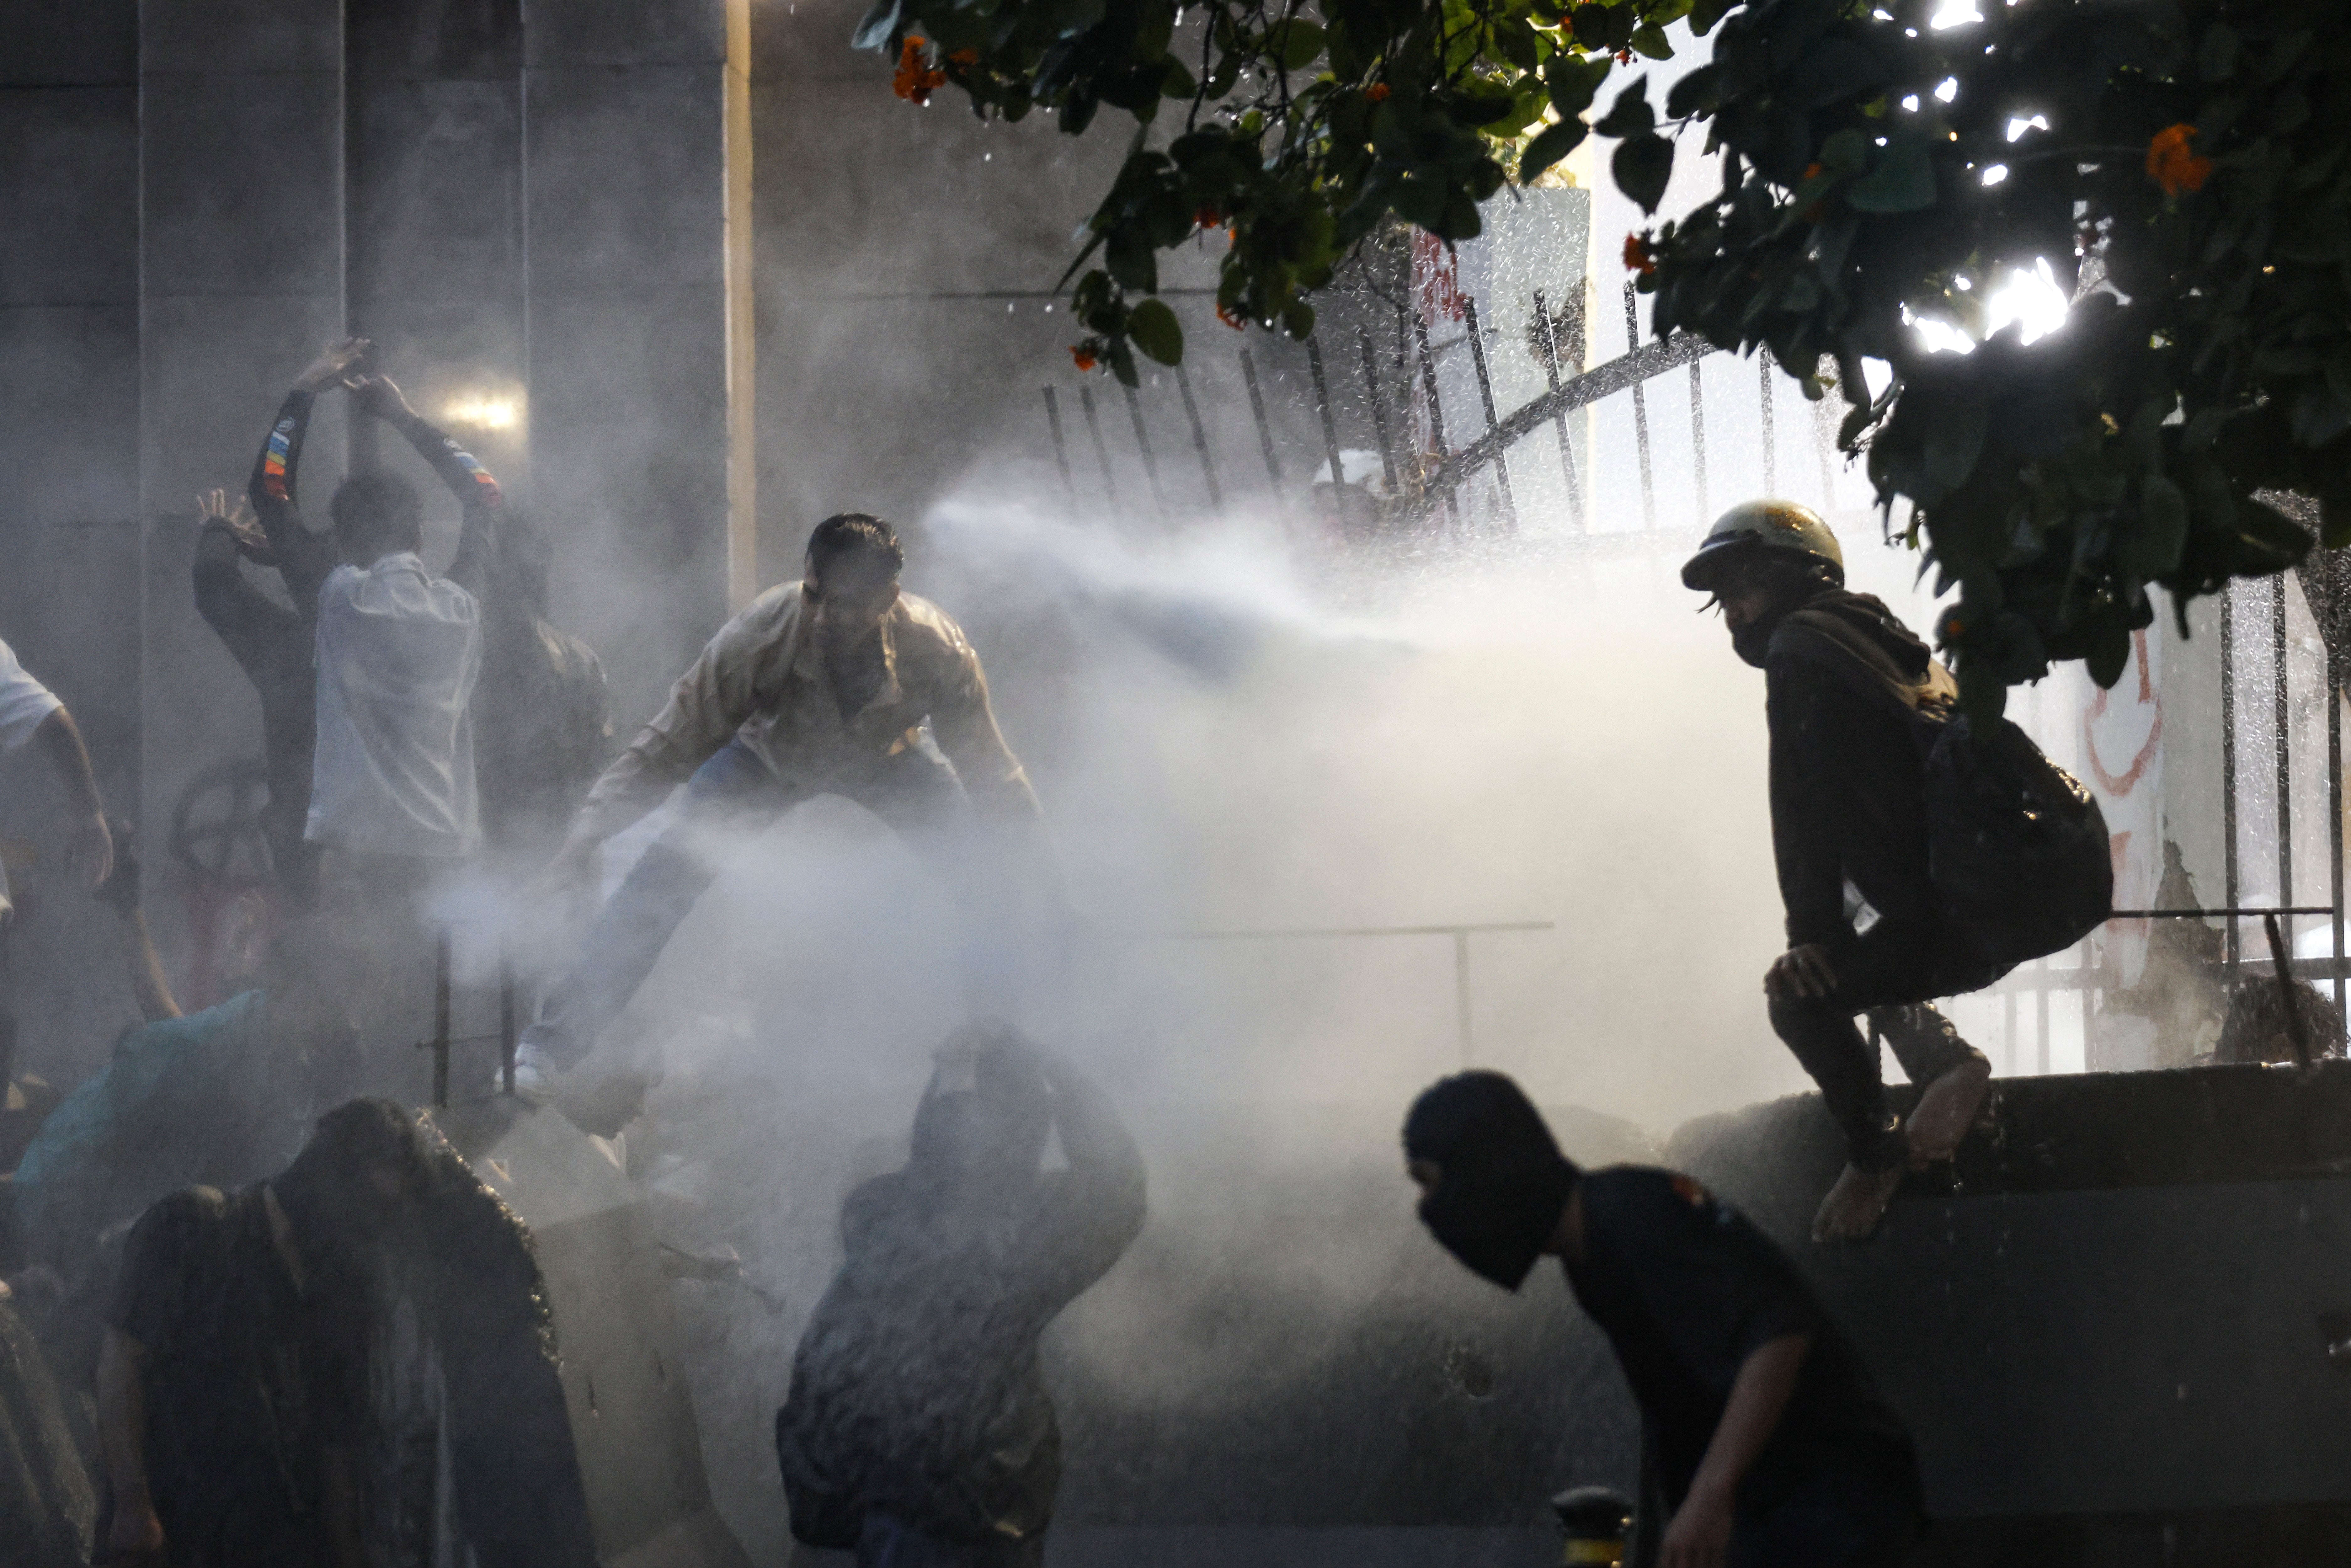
915,793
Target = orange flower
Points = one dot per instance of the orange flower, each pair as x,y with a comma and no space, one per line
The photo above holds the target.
1637,256
964,58
1231,317
1624,57
915,81
2170,165
1082,355
1811,169
1377,92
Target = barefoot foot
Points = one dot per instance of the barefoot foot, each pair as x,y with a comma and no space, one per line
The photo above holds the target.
1947,1109
1856,1204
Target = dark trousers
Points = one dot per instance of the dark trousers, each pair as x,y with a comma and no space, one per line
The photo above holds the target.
1888,974
915,793
1829,1521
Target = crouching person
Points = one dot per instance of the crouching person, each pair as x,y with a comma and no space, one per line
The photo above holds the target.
350,1362
1764,1433
918,1431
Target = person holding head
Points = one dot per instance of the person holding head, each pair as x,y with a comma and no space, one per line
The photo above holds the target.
840,684
350,1362
1764,1439
1843,681
918,1431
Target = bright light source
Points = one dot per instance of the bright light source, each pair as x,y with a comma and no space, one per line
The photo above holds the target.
1956,13
1949,89
2016,127
484,411
2031,299
1995,174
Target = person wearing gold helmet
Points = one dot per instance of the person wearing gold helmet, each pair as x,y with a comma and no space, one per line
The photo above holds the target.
1844,679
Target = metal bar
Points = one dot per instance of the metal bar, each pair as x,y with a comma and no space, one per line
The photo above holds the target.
1287,932
1652,358
1770,427
1322,406
1060,446
1640,414
1493,422
2334,815
1200,440
1379,413
1447,476
1461,993
2218,913
1143,444
1697,438
2229,763
506,1033
1102,447
1264,427
440,1019
2283,710
1566,447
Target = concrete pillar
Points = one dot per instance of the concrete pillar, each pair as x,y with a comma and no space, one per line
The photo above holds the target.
69,446
241,275
637,169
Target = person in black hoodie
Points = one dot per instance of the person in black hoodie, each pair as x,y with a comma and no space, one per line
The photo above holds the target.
1765,1444
1846,684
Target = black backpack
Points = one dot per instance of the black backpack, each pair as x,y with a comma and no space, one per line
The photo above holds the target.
2017,848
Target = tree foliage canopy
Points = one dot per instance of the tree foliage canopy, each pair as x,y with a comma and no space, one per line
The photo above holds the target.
2188,160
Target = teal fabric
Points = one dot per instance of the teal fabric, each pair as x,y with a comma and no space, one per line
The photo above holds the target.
185,1101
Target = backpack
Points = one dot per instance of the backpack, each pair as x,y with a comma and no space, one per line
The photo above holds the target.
2017,848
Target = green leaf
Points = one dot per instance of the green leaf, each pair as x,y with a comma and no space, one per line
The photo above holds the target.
1298,320
1551,144
1631,115
1156,331
2153,549
1297,43
1643,165
1651,40
1694,92
1573,80
1705,14
1903,181
875,30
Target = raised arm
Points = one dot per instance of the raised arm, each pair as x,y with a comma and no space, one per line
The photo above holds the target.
1094,1209
304,559
249,623
471,483
964,724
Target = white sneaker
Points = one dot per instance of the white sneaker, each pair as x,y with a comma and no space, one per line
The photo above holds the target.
535,1070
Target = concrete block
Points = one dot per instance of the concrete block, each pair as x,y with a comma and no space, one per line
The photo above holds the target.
242,178
678,32
221,37
86,44
627,179
69,162
435,192
69,415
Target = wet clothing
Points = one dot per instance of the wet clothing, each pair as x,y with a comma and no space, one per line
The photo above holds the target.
1844,679
763,684
182,1102
25,706
273,643
410,1377
1686,1289
47,1504
399,653
917,1392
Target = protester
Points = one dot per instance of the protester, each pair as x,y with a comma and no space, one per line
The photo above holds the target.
918,1431
839,684
398,651
542,726
1849,828
351,1362
2260,1029
31,712
1766,1439
47,1506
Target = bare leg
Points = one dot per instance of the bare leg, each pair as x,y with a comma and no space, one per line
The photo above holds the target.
1946,1108
1854,1207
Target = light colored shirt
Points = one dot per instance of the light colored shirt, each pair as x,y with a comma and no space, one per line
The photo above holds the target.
24,703
399,653
763,681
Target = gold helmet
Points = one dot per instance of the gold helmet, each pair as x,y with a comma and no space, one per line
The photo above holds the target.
1753,526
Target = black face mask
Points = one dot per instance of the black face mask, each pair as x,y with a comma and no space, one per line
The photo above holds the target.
1496,1219
1752,642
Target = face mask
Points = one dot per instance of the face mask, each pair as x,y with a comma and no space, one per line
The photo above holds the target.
1752,642
1496,1222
